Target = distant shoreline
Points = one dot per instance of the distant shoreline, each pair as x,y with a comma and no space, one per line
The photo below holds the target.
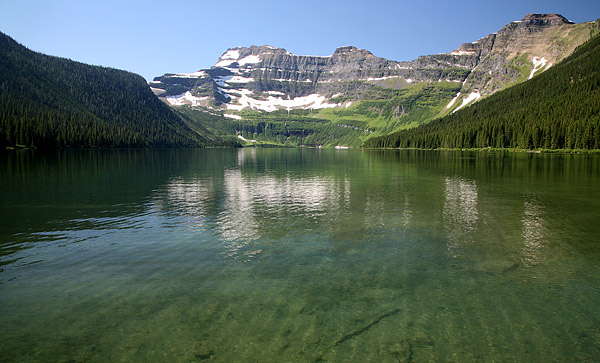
515,150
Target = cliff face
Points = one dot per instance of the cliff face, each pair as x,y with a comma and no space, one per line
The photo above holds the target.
267,70
520,50
268,78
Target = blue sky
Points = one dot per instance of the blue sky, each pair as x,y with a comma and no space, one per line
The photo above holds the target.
156,37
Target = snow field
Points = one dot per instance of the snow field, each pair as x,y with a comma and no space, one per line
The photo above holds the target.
474,96
185,99
272,103
231,54
453,101
538,63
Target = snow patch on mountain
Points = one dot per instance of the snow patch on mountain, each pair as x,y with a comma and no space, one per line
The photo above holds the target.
463,52
224,63
198,74
244,139
474,96
185,99
382,78
453,101
251,59
538,63
222,91
290,80
231,54
314,101
224,80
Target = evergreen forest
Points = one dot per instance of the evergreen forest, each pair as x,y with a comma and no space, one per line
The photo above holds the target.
51,102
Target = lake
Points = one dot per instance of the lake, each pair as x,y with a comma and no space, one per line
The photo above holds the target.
309,255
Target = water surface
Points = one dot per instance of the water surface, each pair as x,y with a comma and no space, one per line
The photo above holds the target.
299,255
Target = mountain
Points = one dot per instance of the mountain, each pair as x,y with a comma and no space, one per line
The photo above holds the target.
50,102
268,94
559,109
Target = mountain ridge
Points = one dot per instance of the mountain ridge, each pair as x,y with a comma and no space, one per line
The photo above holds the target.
354,87
351,63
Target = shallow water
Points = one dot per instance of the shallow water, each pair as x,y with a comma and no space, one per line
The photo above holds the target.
299,255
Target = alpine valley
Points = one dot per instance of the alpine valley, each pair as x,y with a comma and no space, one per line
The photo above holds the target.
262,95
266,95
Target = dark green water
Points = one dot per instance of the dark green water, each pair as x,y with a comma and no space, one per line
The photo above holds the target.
299,255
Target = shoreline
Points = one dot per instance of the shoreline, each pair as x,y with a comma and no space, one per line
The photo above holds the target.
492,149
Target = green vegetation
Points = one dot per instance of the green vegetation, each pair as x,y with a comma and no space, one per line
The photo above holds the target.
51,102
558,109
383,111
209,124
522,65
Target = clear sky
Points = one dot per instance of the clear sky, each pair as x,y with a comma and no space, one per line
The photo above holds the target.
156,37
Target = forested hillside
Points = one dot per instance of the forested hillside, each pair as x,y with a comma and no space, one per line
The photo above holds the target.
51,102
559,109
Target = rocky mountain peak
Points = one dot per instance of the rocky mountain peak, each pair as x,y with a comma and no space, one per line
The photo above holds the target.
521,43
517,34
241,52
240,56
352,51
545,19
